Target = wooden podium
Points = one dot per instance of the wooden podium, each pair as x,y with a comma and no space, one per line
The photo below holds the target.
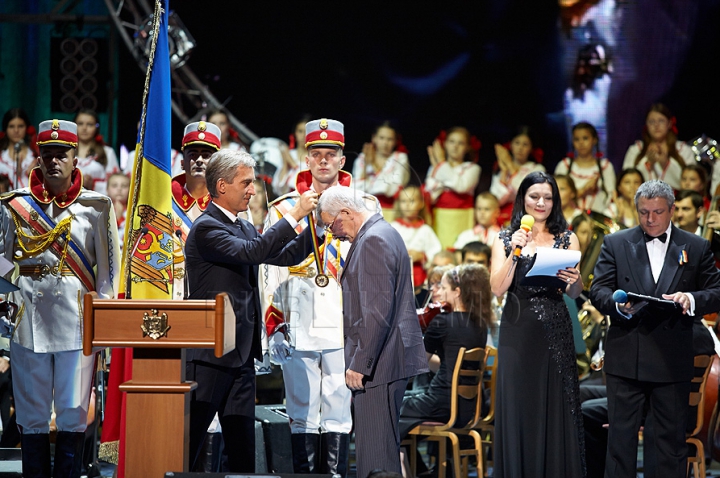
158,404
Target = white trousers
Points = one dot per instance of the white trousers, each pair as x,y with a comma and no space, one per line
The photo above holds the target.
316,395
39,379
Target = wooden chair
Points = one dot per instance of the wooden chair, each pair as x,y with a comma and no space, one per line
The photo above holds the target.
697,399
467,384
486,426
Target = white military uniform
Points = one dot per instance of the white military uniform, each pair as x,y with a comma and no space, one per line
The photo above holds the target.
186,209
316,395
48,362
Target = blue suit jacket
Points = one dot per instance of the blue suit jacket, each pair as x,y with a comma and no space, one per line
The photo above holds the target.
223,257
383,338
654,345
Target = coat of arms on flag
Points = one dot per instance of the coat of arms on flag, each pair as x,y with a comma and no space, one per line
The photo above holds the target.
152,259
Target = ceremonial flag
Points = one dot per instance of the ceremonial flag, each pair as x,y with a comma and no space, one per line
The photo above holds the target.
147,263
148,250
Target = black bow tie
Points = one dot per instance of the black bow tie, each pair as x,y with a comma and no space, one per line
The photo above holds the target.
662,237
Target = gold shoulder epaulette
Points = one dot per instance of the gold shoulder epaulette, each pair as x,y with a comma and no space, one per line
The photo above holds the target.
8,195
284,197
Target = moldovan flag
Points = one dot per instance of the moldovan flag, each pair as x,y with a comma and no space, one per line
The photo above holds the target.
147,265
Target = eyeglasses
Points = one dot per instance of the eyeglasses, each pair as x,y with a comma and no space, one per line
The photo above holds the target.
328,227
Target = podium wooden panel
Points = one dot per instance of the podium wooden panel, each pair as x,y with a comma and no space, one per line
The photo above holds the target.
158,401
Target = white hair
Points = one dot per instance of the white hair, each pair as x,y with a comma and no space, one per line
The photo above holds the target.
335,198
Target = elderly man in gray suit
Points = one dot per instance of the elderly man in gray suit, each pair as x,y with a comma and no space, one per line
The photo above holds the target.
383,341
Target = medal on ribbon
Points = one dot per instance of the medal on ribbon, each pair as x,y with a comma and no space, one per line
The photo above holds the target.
321,279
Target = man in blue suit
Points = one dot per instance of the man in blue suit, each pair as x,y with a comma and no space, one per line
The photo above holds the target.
383,341
222,255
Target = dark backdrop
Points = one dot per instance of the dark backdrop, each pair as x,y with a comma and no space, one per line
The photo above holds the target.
489,66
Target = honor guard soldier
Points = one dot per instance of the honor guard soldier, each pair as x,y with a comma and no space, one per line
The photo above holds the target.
63,240
189,191
303,317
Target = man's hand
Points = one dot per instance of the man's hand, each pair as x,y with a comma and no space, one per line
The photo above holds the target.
628,308
307,204
4,364
280,350
712,220
354,380
679,298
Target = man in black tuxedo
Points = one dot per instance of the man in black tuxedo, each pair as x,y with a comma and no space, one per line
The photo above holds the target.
222,255
649,348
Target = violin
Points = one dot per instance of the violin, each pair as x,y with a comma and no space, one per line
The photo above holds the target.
427,313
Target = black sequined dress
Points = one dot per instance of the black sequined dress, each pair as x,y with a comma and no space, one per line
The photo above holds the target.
538,421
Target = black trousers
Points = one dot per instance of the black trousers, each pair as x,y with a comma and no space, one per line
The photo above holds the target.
667,406
594,404
229,392
5,398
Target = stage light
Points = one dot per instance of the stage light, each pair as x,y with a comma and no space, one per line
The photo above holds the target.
705,149
180,42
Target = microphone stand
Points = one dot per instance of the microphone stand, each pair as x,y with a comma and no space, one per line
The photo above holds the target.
18,164
186,287
128,284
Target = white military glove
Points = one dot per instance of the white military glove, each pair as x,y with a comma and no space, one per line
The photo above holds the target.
280,350
6,327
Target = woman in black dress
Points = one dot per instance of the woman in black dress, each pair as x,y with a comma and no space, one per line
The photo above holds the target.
467,289
538,422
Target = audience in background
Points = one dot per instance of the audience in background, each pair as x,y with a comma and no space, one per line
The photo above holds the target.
419,238
622,207
513,165
293,156
96,161
382,169
16,146
689,210
594,175
451,182
487,210
659,155
568,195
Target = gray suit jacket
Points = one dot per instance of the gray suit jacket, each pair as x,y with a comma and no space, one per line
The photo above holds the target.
383,338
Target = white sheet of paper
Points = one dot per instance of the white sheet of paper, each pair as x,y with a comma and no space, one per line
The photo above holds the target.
5,266
550,260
